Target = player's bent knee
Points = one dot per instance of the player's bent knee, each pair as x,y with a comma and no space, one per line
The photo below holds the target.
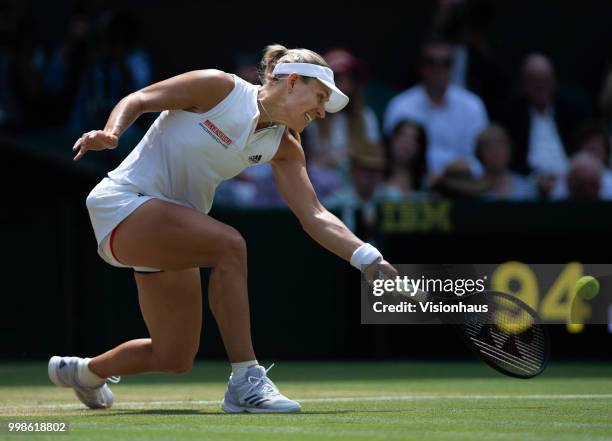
236,244
234,250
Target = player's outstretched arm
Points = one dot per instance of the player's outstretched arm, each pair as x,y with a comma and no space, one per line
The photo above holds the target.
289,167
196,91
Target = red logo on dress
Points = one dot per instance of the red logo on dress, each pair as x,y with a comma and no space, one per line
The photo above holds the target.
217,132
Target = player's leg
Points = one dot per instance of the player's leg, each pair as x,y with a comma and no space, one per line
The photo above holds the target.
171,305
163,235
189,239
168,236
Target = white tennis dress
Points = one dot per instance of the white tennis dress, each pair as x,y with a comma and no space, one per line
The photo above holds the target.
181,159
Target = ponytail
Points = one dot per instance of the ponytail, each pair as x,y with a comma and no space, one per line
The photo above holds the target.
272,54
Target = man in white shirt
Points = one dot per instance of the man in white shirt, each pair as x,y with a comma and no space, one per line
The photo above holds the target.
452,116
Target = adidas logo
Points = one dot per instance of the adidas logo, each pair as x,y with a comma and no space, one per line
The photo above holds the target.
254,159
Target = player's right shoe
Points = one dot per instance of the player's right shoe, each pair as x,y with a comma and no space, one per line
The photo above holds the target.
63,372
255,393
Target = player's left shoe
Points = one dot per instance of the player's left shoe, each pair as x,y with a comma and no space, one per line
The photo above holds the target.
256,393
63,371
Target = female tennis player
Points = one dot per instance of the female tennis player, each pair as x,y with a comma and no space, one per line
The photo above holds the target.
150,214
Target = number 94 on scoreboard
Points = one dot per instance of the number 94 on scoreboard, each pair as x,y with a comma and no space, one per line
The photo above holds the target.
574,293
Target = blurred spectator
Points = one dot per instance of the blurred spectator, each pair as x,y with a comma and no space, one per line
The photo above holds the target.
405,162
584,177
467,24
120,67
256,187
493,150
365,174
452,116
540,122
457,181
329,140
241,191
591,138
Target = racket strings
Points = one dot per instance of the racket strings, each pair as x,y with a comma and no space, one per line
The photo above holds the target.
508,337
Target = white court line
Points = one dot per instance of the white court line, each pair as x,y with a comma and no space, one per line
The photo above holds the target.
327,400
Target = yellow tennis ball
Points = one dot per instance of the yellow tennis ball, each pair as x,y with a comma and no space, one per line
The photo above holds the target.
587,287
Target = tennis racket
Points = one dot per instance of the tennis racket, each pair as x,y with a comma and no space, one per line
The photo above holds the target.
509,336
499,328
502,330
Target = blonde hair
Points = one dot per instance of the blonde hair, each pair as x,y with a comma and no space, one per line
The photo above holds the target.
276,54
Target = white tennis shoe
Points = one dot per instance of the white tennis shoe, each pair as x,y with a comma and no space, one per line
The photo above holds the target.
63,372
256,393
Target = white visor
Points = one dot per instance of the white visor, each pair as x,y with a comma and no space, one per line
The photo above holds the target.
337,99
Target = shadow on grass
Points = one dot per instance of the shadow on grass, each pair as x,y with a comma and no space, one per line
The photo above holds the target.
127,413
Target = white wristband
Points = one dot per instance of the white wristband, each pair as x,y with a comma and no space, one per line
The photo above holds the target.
364,255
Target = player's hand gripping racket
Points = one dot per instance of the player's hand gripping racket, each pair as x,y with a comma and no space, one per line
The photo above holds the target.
379,269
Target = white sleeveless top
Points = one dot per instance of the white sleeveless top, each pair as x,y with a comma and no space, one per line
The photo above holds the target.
184,155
